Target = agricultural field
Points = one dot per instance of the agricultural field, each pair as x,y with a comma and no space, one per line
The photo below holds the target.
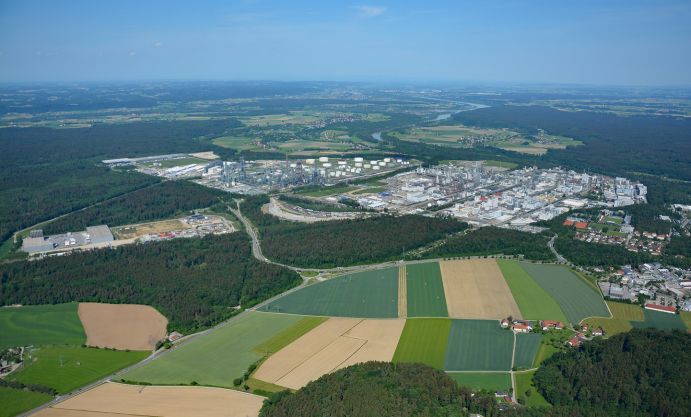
208,360
135,231
15,401
659,320
577,299
423,341
290,118
533,302
66,368
483,381
40,325
476,289
425,292
112,400
450,135
288,336
369,294
622,316
336,343
122,326
526,391
527,346
478,345
239,143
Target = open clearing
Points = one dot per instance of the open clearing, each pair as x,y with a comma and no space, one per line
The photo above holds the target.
659,320
122,326
336,343
153,228
217,357
425,291
527,346
532,300
476,289
483,381
113,399
478,345
40,325
423,341
66,368
370,294
15,401
524,382
623,314
577,299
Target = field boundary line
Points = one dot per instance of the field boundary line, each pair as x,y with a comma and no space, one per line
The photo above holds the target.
402,291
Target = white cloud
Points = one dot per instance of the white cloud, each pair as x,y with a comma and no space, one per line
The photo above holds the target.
132,53
158,44
370,11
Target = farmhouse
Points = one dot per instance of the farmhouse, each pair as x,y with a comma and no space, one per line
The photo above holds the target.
522,328
663,309
551,324
598,332
576,340
504,323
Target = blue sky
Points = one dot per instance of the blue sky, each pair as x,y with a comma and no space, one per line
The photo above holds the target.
584,42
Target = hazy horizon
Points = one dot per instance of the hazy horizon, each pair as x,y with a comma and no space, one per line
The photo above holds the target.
630,44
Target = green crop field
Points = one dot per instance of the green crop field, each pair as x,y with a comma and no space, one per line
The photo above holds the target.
38,325
659,320
526,392
534,302
289,335
367,294
623,314
576,297
478,345
16,401
479,381
425,291
66,368
219,356
527,346
686,318
423,341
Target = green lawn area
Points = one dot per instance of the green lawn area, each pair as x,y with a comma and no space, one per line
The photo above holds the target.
524,384
551,343
478,345
368,294
423,341
66,368
576,297
240,143
14,401
288,336
534,302
623,314
40,325
501,164
615,220
219,356
425,291
370,190
324,191
686,318
527,346
659,320
489,381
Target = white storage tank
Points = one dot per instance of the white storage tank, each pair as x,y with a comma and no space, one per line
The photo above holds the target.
342,162
358,164
323,159
368,166
375,167
358,159
310,161
373,162
326,164
382,163
293,165
387,160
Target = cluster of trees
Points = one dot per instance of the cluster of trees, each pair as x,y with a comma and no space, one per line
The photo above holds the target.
48,172
494,241
43,389
160,201
194,282
641,373
348,242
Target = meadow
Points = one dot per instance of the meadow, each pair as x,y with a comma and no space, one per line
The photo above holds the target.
622,316
526,391
40,325
425,293
483,381
534,302
369,294
65,368
221,355
577,299
527,346
423,341
478,345
659,320
15,401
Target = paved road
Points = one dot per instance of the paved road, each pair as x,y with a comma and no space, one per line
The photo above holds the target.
550,244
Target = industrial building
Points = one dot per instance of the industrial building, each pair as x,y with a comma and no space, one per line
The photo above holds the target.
93,236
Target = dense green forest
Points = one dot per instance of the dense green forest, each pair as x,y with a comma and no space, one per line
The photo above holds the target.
194,282
613,144
160,201
48,172
494,241
348,242
641,373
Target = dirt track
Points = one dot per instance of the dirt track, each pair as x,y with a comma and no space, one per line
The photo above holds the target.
476,289
402,292
112,399
122,326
